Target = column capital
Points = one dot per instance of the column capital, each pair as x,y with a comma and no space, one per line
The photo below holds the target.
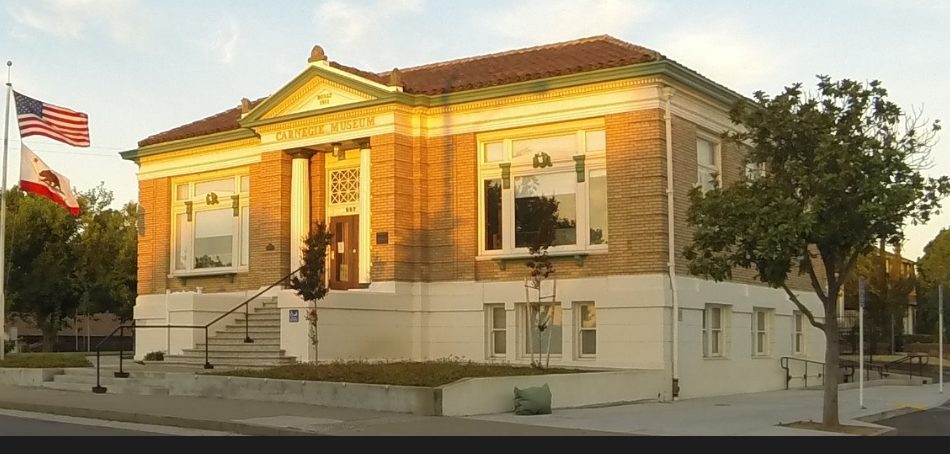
300,153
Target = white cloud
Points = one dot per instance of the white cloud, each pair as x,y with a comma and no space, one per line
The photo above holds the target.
355,23
124,20
224,40
726,54
366,33
547,21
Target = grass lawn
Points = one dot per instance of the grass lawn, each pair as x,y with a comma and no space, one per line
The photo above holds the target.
42,360
405,373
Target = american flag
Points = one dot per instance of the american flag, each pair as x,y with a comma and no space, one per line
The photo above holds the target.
38,118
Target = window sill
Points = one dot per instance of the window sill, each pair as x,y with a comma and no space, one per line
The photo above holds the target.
769,356
184,276
716,358
579,257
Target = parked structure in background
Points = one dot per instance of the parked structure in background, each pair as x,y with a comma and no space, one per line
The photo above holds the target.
891,311
81,334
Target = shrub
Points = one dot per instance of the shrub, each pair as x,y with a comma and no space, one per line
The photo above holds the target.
8,346
155,356
919,339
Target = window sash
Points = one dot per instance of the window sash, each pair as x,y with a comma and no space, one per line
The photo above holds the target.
554,330
708,163
499,335
760,333
798,338
595,164
184,233
587,330
713,332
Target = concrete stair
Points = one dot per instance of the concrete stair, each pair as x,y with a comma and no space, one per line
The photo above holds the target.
83,380
227,348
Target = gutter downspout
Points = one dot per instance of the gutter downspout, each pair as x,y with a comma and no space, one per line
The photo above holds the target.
671,262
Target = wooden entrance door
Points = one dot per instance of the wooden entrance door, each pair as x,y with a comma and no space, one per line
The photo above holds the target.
345,257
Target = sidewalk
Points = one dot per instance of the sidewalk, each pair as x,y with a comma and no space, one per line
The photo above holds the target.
257,418
754,414
746,414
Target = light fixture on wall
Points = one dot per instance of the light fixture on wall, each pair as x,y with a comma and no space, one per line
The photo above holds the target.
338,151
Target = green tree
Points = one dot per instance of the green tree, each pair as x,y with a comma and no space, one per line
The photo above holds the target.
106,254
934,269
888,293
310,281
543,213
41,280
59,264
842,171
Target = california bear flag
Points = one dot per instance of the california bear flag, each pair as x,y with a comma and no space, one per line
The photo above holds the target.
37,178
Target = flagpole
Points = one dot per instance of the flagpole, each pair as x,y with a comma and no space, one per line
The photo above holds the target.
861,342
3,218
940,340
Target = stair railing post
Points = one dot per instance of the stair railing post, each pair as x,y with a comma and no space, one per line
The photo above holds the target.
207,341
121,373
247,330
98,389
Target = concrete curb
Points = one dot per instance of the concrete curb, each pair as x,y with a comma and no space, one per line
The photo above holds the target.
174,421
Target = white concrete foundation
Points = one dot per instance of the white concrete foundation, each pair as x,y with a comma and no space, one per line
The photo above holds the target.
426,321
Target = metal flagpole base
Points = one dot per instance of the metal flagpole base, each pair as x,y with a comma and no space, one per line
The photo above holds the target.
208,366
99,389
121,374
248,340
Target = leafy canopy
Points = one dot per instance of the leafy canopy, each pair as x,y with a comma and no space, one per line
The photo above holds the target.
841,171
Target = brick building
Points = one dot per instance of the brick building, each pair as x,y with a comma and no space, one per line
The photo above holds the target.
427,177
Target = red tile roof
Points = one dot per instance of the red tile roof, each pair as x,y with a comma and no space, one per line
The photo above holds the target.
570,57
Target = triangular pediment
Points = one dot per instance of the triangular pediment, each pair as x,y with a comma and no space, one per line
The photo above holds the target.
316,89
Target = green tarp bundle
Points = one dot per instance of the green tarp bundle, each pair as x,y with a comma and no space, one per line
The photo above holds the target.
533,401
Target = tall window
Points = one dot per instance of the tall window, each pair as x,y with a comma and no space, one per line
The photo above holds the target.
713,336
548,339
761,321
586,329
497,332
707,160
211,225
798,341
534,182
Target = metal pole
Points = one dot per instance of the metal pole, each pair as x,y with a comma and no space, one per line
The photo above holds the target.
247,331
861,341
98,389
3,219
207,341
121,373
940,337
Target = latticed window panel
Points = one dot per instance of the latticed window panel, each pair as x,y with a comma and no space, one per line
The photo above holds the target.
344,186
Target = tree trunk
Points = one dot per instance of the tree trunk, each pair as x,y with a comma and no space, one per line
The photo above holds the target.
49,339
830,408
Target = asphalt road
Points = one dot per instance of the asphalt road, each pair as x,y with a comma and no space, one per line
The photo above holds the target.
10,426
935,421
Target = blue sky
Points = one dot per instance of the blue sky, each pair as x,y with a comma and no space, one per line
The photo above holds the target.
139,67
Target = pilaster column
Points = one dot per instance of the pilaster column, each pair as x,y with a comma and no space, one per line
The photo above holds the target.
299,204
365,215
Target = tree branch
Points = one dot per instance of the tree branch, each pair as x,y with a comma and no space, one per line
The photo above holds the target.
814,278
811,317
852,262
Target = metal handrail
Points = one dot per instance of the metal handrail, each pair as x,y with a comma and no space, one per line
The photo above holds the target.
784,363
921,360
869,366
247,335
99,389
